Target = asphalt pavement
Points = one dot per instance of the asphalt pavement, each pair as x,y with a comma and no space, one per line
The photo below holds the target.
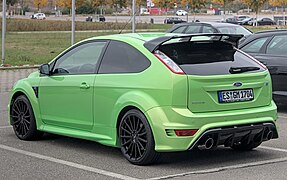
58,157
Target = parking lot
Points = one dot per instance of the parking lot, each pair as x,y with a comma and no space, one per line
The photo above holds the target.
58,157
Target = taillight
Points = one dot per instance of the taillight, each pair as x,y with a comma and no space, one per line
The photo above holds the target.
185,132
168,62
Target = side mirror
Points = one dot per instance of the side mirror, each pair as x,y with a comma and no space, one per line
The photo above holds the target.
45,69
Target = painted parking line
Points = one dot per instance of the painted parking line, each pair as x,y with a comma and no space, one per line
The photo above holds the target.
68,163
283,117
214,170
273,149
4,127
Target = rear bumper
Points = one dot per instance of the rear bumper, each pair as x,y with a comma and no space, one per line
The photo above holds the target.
164,120
228,136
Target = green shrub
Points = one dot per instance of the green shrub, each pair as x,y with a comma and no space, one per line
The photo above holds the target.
48,25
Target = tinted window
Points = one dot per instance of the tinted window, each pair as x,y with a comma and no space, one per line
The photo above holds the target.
193,29
207,58
278,45
180,29
234,30
208,29
123,58
80,60
255,46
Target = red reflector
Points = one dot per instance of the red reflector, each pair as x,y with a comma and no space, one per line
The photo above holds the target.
185,132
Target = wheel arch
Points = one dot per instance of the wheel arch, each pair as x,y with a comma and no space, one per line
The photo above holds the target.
24,88
139,101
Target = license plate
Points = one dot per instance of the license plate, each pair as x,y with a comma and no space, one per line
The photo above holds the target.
235,95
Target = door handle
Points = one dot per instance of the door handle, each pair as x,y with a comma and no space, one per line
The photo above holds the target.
84,85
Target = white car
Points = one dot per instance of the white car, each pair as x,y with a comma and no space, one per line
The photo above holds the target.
181,13
38,16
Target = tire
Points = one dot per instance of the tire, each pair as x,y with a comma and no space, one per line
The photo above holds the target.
246,147
136,139
23,119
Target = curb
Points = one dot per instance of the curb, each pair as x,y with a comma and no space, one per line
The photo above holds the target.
19,67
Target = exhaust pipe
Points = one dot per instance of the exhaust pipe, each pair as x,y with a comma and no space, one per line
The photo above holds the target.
207,144
269,135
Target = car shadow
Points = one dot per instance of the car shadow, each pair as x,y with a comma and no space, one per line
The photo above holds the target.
178,160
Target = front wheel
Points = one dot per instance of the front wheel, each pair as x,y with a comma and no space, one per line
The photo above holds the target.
136,139
23,119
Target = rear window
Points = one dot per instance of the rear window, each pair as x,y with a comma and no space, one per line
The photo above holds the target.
207,57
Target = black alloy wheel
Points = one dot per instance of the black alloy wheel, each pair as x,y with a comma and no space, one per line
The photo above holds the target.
23,120
136,139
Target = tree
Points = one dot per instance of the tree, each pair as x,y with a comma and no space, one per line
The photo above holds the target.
163,3
193,4
40,3
68,3
222,3
282,3
255,5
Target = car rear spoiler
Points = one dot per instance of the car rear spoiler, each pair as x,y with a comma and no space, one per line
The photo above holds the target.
232,39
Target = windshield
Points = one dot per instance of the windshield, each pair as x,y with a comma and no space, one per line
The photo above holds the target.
234,30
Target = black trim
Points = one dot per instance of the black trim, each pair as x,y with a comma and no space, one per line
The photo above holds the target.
155,43
36,91
227,136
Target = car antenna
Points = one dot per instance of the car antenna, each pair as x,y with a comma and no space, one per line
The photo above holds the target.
128,22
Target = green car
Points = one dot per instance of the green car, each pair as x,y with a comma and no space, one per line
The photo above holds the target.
149,93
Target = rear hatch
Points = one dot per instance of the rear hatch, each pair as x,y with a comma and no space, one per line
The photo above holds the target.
219,76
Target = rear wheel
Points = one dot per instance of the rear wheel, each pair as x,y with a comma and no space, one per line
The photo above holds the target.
23,120
136,139
245,146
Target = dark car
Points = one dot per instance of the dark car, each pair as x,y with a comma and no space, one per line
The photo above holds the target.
262,22
208,27
173,20
270,47
99,18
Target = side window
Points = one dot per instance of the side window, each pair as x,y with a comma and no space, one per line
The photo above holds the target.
123,58
278,45
193,29
179,30
80,60
208,29
255,46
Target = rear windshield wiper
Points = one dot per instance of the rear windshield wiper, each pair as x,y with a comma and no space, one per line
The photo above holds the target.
235,70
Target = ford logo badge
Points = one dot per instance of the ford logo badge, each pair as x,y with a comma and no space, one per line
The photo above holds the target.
237,84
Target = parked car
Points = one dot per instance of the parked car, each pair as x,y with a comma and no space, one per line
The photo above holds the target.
208,27
241,18
231,20
99,18
181,13
148,93
38,16
270,48
173,20
245,21
262,22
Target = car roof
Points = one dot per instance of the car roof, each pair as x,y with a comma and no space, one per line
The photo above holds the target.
262,34
137,37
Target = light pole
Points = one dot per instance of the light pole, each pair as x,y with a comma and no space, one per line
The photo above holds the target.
134,16
73,22
3,30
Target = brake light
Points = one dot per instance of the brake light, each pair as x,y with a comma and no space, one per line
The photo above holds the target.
185,132
168,62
